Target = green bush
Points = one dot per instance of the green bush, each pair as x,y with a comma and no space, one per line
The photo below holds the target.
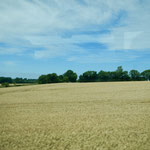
6,84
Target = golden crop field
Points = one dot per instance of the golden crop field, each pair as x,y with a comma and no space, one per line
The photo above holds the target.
76,116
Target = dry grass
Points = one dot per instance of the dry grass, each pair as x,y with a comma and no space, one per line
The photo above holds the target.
80,116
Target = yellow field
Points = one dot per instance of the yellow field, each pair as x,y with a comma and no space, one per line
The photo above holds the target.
79,116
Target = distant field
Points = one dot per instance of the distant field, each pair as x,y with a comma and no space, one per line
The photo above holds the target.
79,116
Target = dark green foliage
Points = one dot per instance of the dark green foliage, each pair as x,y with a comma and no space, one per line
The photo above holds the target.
63,78
72,76
125,76
146,74
31,81
5,80
52,78
49,78
68,76
19,80
42,79
135,75
6,84
103,76
120,75
89,76
24,80
16,80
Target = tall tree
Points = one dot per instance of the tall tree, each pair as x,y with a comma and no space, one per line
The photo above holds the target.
103,76
5,80
135,75
18,80
52,78
146,74
70,76
42,79
89,76
120,75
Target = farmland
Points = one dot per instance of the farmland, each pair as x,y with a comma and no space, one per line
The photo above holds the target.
76,116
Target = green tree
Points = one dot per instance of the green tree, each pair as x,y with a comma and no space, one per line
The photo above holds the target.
6,84
42,79
5,80
103,76
65,79
146,74
70,76
19,80
52,78
120,75
125,76
135,75
89,76
61,78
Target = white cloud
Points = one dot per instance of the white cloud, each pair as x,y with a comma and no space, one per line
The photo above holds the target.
31,24
135,34
26,17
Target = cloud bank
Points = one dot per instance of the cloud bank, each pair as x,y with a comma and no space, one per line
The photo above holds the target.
54,28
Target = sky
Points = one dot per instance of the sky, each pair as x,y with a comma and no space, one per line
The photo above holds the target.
45,36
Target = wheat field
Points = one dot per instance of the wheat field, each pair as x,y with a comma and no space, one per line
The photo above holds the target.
76,116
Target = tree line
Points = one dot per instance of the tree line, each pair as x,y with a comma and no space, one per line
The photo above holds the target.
68,76
89,76
92,76
16,80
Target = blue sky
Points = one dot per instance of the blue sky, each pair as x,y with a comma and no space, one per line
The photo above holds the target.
44,36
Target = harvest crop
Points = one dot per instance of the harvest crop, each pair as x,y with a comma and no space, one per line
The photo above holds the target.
76,116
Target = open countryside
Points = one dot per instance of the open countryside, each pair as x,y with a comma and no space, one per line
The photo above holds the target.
75,75
76,116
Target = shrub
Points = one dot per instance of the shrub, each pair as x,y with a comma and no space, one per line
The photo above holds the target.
6,84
